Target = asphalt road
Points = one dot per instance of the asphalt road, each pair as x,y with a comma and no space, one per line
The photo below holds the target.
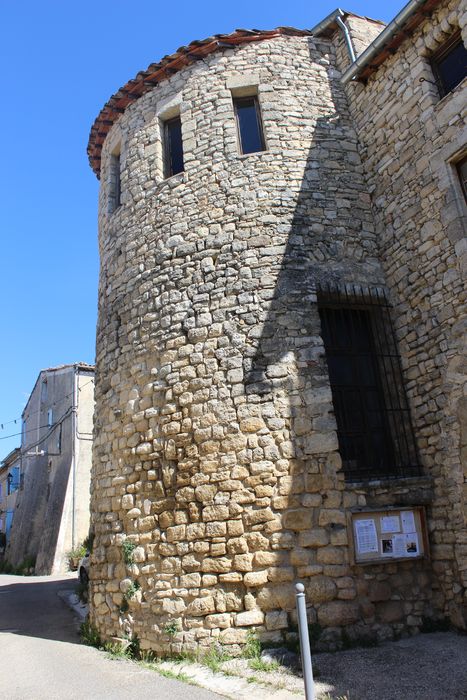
41,657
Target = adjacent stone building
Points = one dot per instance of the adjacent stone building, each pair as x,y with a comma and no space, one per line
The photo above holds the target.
10,479
281,385
51,513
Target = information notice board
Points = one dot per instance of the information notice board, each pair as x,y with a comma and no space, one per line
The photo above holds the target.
386,535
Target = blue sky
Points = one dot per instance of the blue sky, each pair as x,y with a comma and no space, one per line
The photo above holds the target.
61,61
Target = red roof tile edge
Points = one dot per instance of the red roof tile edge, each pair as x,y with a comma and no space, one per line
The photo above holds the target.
166,67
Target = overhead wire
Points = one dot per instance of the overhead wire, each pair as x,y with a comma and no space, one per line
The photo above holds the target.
23,432
49,433
40,410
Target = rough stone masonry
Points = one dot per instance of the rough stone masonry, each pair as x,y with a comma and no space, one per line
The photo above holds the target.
217,478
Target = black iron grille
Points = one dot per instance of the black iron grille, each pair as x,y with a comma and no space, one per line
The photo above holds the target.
375,433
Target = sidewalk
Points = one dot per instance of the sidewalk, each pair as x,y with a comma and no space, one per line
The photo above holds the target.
423,667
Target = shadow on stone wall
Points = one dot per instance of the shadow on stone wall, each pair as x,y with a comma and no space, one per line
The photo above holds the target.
38,515
331,242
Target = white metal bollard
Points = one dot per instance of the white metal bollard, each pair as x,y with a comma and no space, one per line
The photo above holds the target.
304,642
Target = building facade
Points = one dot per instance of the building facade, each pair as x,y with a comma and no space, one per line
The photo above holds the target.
51,514
281,387
10,479
410,121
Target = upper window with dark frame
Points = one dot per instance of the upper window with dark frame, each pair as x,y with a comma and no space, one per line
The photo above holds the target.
115,188
449,64
374,428
249,125
173,147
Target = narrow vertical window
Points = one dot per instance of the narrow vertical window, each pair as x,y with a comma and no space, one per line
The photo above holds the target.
249,127
173,147
462,174
50,417
115,190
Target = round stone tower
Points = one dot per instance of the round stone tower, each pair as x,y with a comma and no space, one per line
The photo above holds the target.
217,480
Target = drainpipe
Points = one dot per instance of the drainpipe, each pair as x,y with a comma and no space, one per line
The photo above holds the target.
347,37
336,16
74,409
396,25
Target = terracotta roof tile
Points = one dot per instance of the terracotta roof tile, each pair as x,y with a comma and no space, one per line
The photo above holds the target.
166,67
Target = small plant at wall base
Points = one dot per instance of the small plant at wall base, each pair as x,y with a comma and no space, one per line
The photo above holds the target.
128,548
215,657
5,567
126,648
252,652
168,673
116,650
261,665
134,647
26,568
252,648
90,635
171,628
147,658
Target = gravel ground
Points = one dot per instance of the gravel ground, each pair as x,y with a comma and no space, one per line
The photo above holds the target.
424,667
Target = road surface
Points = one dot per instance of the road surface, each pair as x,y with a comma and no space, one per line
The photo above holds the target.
41,657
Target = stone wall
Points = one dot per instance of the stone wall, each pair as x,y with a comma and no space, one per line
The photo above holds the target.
409,142
363,31
52,506
216,468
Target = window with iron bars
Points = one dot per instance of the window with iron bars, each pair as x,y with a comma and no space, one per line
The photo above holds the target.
376,439
449,64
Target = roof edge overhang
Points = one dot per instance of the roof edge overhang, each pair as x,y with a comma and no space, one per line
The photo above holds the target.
385,44
77,366
395,33
329,25
11,458
163,70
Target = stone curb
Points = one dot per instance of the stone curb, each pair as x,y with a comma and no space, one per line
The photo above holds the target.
236,687
71,599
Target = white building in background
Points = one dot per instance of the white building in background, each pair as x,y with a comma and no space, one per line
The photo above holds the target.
51,514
